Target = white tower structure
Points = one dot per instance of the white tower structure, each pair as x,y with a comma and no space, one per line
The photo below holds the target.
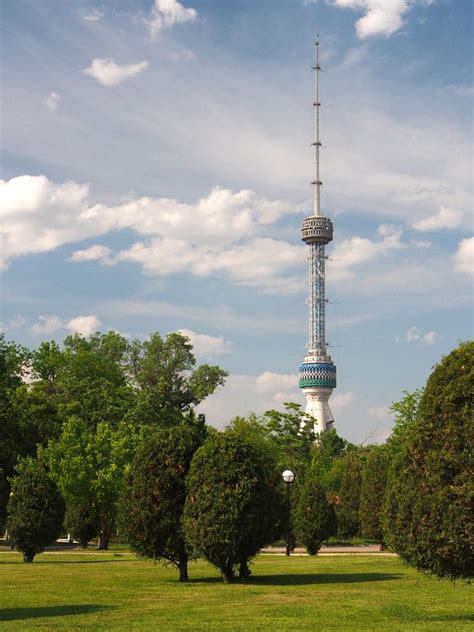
317,373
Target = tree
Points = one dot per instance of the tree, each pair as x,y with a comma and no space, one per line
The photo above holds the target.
233,502
13,367
166,380
35,509
90,380
89,467
152,504
293,436
328,446
372,492
428,508
349,502
81,522
315,519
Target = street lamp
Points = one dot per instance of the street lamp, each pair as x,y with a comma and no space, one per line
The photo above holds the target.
288,477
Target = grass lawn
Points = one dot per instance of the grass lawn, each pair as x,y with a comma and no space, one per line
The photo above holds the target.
116,591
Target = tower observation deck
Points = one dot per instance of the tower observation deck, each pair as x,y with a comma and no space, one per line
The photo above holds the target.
317,372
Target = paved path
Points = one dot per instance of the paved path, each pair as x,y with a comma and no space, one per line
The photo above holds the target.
363,549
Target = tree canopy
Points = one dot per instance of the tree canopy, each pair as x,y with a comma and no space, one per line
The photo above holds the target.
428,507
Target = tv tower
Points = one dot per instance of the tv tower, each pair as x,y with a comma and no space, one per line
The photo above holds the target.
317,373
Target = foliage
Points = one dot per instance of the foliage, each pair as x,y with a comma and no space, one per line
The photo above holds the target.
406,413
428,509
35,509
233,502
13,367
89,380
347,508
293,434
166,380
89,467
328,446
152,505
81,522
315,519
374,480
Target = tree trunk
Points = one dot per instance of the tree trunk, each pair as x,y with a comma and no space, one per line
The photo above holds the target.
183,567
228,574
105,531
244,570
28,556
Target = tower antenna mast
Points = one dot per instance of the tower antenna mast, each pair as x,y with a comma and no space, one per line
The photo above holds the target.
317,184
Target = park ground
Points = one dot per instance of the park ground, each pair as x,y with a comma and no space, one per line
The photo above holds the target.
113,590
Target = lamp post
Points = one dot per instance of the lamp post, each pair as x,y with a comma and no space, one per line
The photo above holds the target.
288,477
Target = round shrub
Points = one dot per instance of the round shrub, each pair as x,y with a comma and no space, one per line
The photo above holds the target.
233,502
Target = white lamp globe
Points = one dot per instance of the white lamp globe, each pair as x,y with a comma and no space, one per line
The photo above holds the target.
288,476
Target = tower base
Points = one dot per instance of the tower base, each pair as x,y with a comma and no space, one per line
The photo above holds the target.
317,407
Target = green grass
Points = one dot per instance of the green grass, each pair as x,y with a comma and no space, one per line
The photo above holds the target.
115,591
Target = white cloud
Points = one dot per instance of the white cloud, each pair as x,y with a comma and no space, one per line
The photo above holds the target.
413,334
218,235
445,218
97,252
108,73
16,322
464,257
245,393
84,325
380,412
47,324
167,13
356,250
52,101
430,338
382,17
206,346
94,16
340,401
270,382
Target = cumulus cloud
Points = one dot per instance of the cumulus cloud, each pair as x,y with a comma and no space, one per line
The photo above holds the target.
166,13
218,235
413,334
445,218
84,325
47,324
52,101
207,346
108,73
381,17
356,250
94,253
464,257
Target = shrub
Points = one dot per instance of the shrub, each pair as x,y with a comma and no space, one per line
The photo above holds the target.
428,509
374,480
233,502
315,520
151,508
35,509
81,522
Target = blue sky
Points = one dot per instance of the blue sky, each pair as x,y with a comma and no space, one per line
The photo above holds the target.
156,170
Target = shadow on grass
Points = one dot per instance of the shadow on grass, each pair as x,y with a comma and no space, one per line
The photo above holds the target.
17,614
82,561
302,579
